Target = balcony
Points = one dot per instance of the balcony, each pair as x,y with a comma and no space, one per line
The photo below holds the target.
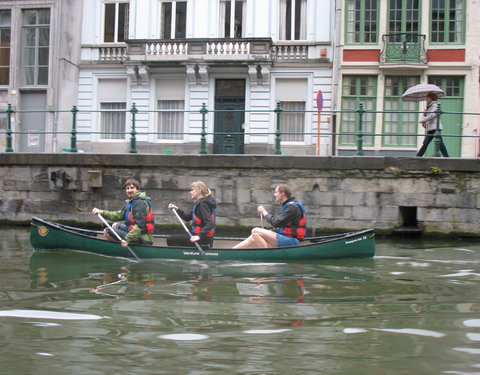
218,50
404,49
208,50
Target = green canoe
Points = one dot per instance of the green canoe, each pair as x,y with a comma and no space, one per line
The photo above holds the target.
47,236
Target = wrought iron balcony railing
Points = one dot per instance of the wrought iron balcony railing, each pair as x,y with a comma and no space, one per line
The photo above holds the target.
403,48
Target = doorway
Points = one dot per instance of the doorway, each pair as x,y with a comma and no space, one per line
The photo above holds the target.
32,123
229,116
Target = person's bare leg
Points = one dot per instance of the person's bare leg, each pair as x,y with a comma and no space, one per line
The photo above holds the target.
264,238
247,242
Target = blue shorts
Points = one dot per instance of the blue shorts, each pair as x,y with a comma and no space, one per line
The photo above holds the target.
284,241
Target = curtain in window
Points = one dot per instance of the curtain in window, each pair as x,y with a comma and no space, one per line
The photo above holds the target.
292,122
292,20
113,124
5,33
170,124
229,17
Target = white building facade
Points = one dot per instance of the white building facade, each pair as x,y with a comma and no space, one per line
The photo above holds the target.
238,59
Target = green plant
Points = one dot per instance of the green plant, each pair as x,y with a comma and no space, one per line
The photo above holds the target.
436,171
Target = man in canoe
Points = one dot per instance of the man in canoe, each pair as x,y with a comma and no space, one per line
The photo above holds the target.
137,216
289,226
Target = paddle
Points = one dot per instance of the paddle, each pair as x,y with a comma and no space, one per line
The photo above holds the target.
118,237
186,229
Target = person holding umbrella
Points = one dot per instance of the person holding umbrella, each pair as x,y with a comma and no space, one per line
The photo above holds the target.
429,123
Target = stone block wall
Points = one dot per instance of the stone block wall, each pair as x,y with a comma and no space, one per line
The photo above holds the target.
340,193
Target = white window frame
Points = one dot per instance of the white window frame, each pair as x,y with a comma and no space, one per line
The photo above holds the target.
283,20
97,117
309,106
173,26
103,114
116,25
180,122
221,17
36,65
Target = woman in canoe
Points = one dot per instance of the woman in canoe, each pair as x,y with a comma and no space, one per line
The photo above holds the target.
137,216
203,217
289,226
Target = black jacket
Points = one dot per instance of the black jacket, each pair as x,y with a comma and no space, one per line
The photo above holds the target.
205,206
291,213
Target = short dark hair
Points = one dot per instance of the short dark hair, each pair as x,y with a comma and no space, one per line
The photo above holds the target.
132,181
285,189
432,96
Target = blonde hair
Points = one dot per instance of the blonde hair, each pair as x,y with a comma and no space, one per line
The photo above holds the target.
202,188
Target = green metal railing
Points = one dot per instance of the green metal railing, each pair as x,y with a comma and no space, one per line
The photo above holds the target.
278,111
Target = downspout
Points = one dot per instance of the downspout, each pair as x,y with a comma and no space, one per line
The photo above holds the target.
57,75
337,32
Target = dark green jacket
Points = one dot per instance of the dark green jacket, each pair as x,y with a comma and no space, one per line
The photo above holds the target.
139,209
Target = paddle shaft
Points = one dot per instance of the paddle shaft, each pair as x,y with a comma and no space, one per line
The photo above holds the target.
186,229
118,236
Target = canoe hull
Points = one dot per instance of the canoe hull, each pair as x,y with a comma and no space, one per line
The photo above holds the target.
49,236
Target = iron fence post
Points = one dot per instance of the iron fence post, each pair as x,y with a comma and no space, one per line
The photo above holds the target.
278,139
360,111
133,138
436,143
203,138
9,128
73,139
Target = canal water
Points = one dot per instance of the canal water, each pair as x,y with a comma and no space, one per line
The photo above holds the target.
413,309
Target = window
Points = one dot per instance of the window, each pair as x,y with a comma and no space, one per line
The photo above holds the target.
356,90
35,43
170,124
404,16
115,22
112,96
399,128
173,19
362,21
292,124
293,15
5,35
447,21
292,95
232,18
113,123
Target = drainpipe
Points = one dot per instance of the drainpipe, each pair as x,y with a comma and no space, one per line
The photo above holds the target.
337,29
58,45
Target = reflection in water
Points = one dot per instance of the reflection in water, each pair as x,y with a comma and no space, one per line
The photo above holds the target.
413,309
276,282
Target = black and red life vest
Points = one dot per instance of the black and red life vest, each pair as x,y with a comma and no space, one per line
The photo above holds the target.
149,218
296,230
197,222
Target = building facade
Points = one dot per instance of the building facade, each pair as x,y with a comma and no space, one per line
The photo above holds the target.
238,59
39,57
230,76
388,46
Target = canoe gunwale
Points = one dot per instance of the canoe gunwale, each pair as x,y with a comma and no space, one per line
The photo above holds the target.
313,246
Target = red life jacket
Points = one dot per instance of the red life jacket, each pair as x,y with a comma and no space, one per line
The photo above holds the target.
197,222
149,218
296,230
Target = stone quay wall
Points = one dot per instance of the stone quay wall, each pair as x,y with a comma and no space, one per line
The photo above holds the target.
434,195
